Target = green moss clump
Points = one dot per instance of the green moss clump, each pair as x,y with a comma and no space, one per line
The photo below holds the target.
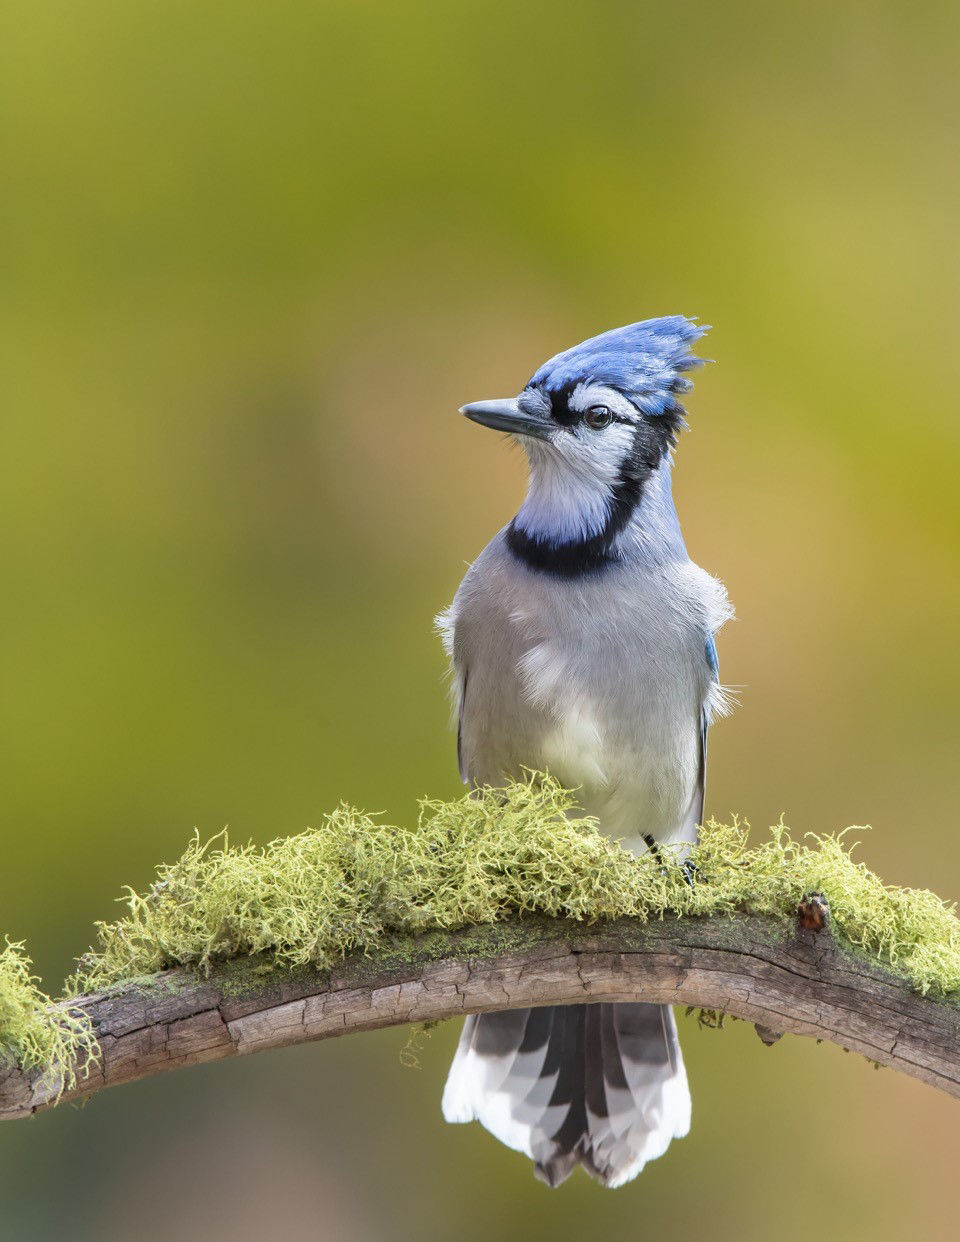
911,930
34,1033
352,883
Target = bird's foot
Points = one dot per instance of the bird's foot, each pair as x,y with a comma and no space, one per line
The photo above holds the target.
689,869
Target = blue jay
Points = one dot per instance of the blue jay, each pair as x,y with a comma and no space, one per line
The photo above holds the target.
582,643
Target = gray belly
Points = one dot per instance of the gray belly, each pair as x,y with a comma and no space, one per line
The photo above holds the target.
600,683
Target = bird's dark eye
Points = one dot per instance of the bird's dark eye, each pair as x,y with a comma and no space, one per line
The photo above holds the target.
598,417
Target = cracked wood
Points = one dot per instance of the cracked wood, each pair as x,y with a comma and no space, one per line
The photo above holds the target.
783,978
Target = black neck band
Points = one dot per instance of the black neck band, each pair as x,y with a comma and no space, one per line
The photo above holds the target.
572,558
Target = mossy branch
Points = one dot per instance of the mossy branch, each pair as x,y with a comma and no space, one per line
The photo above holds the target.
782,977
491,902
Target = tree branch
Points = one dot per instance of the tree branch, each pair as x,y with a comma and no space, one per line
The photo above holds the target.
784,978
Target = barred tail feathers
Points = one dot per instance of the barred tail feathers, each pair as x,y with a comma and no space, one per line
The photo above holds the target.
601,1085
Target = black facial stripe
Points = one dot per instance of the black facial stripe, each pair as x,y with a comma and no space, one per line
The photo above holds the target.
561,412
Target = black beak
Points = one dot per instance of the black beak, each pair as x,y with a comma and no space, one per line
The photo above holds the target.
506,415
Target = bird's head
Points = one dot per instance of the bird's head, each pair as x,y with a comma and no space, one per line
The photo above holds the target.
597,421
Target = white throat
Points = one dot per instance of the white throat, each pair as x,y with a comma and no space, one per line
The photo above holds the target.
563,504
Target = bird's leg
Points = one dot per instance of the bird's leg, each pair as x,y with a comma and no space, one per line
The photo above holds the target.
688,868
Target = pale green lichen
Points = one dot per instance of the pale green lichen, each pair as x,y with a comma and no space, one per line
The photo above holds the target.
36,1034
352,882
356,885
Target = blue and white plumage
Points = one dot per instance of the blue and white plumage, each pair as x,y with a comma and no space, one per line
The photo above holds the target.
582,644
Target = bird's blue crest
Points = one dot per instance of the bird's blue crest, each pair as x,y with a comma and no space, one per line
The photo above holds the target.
644,361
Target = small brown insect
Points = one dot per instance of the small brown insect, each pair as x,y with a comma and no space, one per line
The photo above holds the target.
814,912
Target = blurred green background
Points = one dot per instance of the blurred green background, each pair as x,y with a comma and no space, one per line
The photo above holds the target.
252,258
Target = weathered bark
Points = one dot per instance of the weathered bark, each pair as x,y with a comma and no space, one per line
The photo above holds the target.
785,979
